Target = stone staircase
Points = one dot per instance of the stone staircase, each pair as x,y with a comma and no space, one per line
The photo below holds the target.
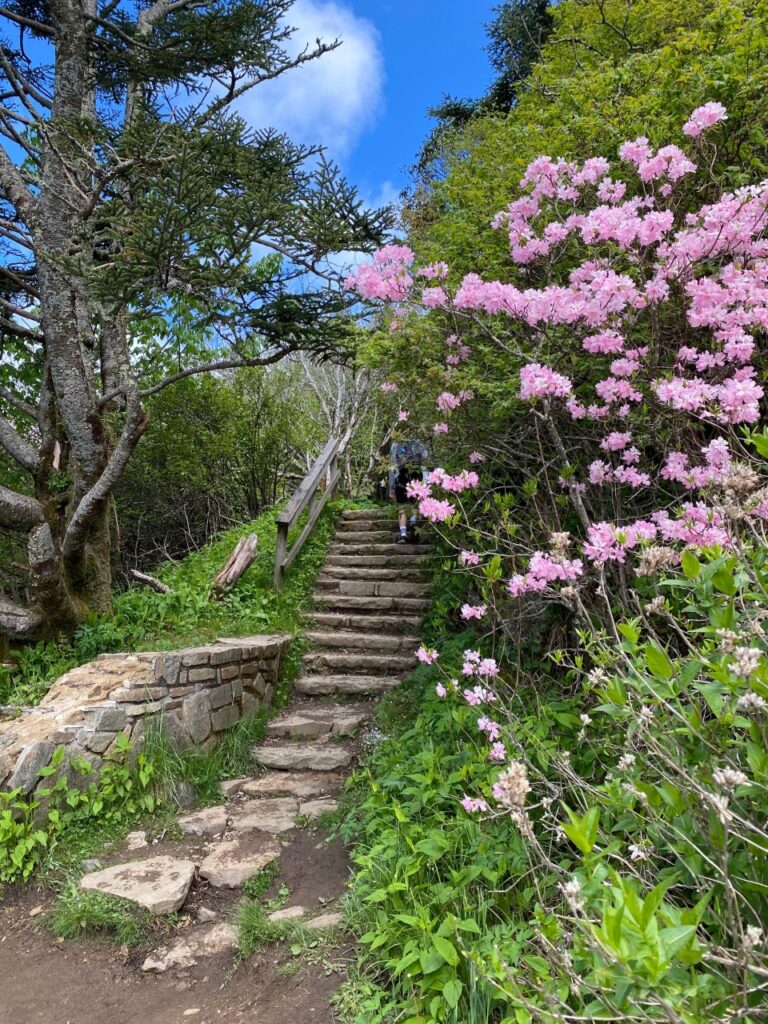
371,597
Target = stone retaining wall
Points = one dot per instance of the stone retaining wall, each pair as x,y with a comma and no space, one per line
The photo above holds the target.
194,695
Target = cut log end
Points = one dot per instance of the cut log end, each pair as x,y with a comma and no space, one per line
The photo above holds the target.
241,559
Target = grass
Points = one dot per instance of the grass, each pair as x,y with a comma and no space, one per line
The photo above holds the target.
78,914
145,620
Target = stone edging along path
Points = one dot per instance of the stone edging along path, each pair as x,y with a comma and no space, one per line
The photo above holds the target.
194,694
372,594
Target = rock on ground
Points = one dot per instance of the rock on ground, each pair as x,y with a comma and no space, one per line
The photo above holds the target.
273,816
231,864
159,884
188,949
209,821
299,784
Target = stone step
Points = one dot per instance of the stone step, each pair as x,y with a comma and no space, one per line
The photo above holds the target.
367,513
372,588
308,722
365,625
350,603
303,785
418,574
377,535
404,559
339,639
357,663
384,547
313,757
365,526
322,686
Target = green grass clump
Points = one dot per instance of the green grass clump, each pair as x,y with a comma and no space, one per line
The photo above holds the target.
77,914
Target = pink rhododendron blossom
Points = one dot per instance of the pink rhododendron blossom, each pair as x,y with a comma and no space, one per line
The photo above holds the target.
537,381
434,298
600,473
440,428
389,387
434,270
475,457
436,511
469,611
440,690
427,655
704,117
604,343
608,543
474,804
615,441
403,415
489,727
418,490
469,558
498,752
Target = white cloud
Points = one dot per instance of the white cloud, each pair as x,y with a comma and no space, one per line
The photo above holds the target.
333,99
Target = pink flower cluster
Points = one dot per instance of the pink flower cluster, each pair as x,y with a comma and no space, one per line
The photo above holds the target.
387,278
704,117
476,665
543,570
469,611
537,381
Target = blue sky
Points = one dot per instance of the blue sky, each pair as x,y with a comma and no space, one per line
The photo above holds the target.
367,102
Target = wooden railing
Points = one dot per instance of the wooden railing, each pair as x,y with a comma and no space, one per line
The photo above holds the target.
315,490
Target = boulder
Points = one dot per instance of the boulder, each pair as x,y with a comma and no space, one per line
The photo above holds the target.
159,884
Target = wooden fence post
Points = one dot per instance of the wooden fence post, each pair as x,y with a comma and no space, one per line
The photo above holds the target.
281,548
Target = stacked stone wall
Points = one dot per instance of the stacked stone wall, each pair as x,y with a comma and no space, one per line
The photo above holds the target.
193,695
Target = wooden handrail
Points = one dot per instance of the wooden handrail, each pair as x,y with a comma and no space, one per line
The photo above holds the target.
324,469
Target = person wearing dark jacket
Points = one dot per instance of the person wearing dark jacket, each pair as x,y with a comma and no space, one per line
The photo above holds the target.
407,462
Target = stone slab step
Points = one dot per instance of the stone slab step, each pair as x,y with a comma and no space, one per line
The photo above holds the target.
351,603
322,686
230,864
336,720
303,785
364,526
388,546
358,663
339,640
159,884
367,513
373,588
377,573
403,560
375,536
313,757
366,625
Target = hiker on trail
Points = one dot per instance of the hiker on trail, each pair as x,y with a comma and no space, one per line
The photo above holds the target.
407,462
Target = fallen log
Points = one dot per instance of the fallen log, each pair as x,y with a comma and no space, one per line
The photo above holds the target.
149,581
241,559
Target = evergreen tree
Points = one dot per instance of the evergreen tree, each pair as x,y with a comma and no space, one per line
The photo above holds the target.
134,201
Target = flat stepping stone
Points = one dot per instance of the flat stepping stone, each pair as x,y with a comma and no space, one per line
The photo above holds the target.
159,884
230,864
315,808
325,921
300,784
208,821
318,757
338,721
195,945
384,512
363,641
286,914
351,603
322,685
269,815
372,588
338,663
358,546
366,624
232,785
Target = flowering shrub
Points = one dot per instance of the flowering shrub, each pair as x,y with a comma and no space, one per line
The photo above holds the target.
630,500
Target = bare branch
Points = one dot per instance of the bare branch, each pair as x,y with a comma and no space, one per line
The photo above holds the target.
19,511
17,403
38,26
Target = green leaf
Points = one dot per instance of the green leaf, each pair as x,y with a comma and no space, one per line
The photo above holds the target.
690,564
446,950
452,992
658,663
